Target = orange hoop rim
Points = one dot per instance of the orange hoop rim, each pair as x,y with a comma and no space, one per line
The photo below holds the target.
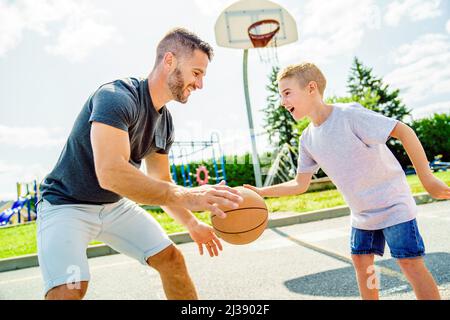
261,40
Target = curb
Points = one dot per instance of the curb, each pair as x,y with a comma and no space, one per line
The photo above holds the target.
279,219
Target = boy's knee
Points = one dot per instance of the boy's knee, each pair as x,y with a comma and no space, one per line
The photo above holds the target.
170,258
75,291
410,263
363,259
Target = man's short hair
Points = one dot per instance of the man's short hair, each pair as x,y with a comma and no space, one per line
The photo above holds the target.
182,42
304,73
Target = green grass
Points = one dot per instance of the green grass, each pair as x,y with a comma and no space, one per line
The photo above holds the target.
21,240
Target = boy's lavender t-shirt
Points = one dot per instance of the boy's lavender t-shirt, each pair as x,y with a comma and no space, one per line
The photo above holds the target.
350,147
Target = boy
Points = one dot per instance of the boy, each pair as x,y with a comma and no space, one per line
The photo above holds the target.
348,142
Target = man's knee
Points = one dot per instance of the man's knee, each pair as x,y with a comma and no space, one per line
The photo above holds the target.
170,258
75,291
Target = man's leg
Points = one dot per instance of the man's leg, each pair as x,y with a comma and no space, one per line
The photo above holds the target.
420,278
368,282
63,234
174,274
75,291
131,230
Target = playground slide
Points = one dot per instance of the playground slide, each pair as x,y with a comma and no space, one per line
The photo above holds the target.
6,215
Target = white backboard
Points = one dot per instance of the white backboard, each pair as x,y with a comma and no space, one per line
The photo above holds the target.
232,25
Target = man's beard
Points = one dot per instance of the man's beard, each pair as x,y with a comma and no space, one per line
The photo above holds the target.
176,86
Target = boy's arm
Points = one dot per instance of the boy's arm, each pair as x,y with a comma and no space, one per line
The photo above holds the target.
435,187
296,186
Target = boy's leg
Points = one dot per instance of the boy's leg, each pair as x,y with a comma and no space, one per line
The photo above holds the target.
420,278
63,236
367,278
406,245
364,245
131,230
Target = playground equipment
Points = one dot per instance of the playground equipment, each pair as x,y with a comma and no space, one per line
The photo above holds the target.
260,25
283,168
180,156
27,201
436,165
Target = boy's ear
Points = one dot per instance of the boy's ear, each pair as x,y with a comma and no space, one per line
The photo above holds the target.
312,85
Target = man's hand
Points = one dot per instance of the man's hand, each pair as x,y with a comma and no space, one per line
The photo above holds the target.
204,235
435,187
210,197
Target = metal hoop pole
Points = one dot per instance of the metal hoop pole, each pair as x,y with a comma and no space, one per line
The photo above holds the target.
255,158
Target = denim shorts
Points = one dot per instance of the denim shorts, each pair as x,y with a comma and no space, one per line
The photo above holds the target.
403,239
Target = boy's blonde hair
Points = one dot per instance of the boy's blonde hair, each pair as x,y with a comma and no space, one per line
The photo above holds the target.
304,73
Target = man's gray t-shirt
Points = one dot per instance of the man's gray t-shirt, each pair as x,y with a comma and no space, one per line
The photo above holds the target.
350,147
124,104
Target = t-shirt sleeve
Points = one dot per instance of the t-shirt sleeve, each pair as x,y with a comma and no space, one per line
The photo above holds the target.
169,142
170,135
306,163
370,126
112,108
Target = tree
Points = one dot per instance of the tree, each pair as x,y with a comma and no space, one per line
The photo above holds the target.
279,124
434,133
373,94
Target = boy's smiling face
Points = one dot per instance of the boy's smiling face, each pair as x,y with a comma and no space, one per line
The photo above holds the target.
297,100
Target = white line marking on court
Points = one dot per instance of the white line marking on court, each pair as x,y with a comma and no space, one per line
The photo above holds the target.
394,290
92,269
324,235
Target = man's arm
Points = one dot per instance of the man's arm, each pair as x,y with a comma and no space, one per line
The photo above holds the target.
294,187
111,151
435,187
157,166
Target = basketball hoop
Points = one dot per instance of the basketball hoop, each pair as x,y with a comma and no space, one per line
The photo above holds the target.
262,34
258,33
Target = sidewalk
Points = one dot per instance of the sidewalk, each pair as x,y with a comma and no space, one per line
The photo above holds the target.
277,219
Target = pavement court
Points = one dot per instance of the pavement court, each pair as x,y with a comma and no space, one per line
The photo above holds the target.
302,261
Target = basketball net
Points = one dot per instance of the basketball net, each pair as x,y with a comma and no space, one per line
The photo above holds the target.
263,35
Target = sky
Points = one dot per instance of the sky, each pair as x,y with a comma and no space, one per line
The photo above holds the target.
54,54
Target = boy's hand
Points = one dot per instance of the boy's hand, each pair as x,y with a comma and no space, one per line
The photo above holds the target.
436,188
256,189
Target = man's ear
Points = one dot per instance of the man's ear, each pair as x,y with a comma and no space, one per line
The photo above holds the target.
169,61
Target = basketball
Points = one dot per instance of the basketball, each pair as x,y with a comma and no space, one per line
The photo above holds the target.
244,224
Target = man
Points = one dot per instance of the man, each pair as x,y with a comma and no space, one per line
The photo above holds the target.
88,194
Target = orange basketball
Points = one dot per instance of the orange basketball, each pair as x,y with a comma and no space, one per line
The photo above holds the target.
244,224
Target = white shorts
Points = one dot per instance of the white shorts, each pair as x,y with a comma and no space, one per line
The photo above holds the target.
65,231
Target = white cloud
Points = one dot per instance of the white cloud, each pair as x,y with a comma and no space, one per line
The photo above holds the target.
424,111
11,173
212,7
333,29
426,45
422,69
80,27
448,26
11,25
77,40
415,10
32,137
